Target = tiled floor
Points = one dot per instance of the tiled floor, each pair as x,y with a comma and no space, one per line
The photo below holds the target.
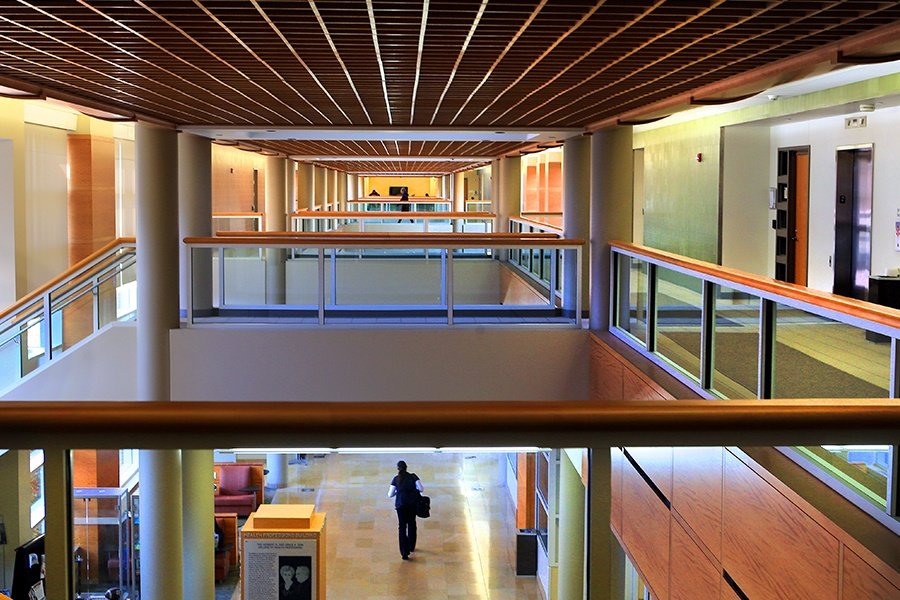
465,550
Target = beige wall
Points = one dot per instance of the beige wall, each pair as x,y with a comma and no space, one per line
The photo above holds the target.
232,179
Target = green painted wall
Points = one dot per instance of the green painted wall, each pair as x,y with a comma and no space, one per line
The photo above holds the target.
681,195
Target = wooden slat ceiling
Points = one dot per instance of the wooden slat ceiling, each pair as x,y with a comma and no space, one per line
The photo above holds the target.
390,63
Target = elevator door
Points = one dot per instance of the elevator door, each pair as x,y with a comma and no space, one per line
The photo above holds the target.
853,222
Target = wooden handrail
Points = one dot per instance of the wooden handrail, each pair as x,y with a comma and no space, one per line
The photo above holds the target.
239,214
37,293
425,235
346,214
549,424
356,239
849,306
396,199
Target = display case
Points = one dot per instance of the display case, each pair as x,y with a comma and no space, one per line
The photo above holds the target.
104,536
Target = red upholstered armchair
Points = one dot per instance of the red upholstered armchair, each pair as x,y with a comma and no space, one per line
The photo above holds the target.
239,487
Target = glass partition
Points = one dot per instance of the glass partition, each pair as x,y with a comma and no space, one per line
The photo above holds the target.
679,304
735,362
817,357
630,313
761,344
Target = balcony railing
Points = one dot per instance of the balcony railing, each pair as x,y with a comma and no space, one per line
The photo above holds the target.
376,277
400,222
729,334
92,293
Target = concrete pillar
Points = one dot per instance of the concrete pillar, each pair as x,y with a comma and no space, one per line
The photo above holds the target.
320,186
276,218
162,549
611,216
606,560
353,191
570,552
495,181
290,188
459,192
277,466
57,524
195,218
306,186
510,199
333,188
156,182
361,186
198,510
156,186
576,217
341,190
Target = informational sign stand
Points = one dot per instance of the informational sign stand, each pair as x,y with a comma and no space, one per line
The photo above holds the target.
283,553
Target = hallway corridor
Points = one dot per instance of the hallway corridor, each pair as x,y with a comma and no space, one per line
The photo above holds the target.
465,550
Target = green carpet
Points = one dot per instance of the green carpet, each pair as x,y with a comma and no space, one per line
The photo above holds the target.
797,375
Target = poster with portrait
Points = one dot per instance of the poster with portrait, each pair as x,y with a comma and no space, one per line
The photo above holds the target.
279,566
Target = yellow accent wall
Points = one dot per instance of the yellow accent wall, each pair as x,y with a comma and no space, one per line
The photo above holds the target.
417,186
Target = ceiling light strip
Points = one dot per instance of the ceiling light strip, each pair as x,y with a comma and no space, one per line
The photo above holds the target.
412,110
144,38
459,57
543,55
120,65
490,71
89,94
227,64
302,62
645,65
621,57
263,62
767,49
374,28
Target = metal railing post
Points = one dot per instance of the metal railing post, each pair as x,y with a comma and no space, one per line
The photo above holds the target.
46,333
449,285
652,285
579,284
766,374
552,283
95,302
707,334
320,272
333,259
221,277
189,292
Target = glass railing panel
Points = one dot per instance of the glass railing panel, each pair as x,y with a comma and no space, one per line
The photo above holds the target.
816,357
735,372
864,469
631,300
239,277
384,277
481,282
73,317
302,278
679,307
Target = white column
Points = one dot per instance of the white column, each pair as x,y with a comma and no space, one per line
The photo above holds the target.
58,520
570,552
276,210
156,170
459,192
156,187
353,191
341,190
333,193
162,546
495,182
510,200
576,217
290,187
320,187
306,186
195,217
198,509
606,560
277,466
611,215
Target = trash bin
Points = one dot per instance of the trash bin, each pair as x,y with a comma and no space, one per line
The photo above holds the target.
526,552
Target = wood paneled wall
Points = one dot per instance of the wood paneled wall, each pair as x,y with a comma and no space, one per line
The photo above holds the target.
612,377
728,515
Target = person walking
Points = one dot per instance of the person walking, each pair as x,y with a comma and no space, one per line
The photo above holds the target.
405,489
